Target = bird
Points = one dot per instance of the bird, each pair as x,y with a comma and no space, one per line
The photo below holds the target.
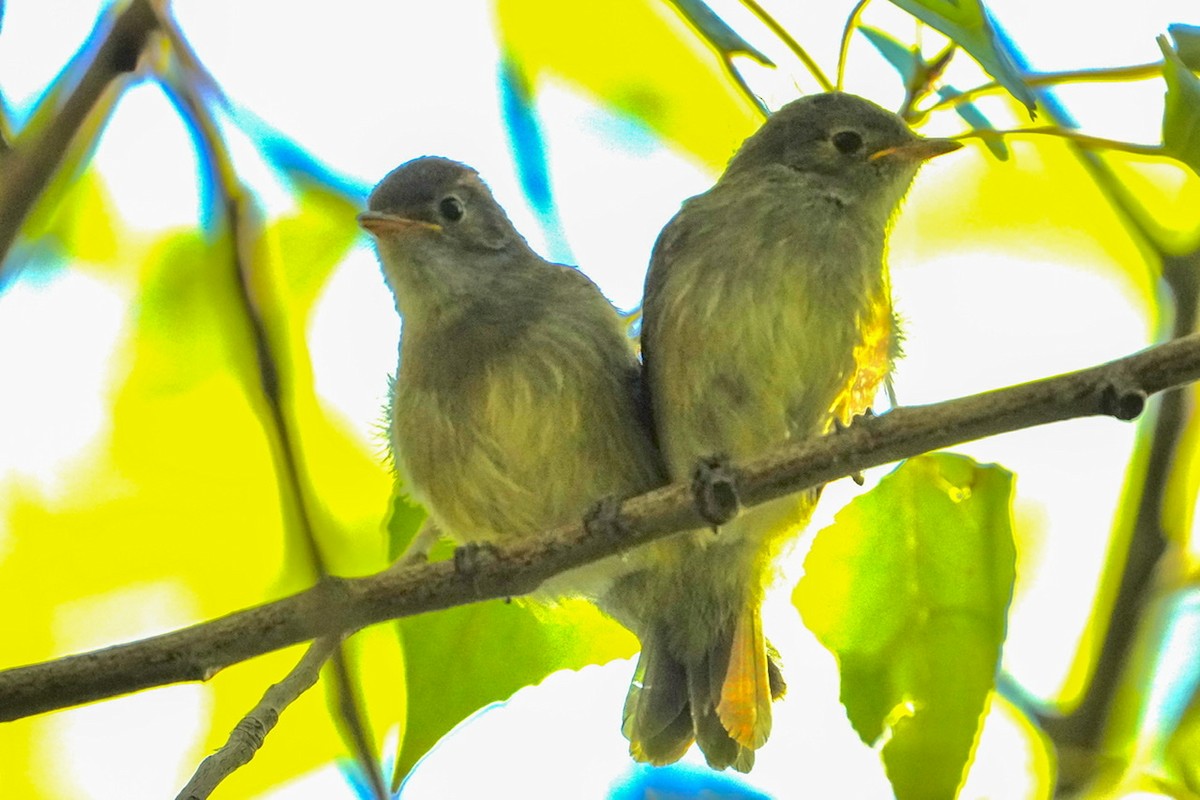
517,402
767,319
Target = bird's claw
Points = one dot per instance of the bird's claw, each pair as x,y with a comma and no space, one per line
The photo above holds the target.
472,557
842,427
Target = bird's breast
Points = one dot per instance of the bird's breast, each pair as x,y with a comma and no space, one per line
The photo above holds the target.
766,332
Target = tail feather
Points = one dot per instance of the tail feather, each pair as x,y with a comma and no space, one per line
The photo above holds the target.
745,704
721,700
657,718
704,693
720,751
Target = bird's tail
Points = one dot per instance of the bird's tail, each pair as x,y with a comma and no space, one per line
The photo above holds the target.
720,698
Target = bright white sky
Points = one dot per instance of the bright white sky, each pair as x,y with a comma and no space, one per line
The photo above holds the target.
333,82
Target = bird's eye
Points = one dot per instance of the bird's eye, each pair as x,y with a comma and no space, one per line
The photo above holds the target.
847,142
451,208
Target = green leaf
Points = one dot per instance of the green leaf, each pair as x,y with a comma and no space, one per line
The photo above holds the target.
909,588
459,660
966,22
1181,112
1187,43
403,522
905,60
716,31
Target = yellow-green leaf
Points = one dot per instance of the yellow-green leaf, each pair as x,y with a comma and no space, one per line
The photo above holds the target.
642,58
968,24
1187,43
1181,113
907,61
909,588
718,33
461,659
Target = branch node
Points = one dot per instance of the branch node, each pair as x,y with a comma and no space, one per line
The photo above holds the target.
604,520
1121,400
715,489
125,56
252,732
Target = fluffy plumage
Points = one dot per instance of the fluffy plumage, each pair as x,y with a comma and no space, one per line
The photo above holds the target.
767,317
516,403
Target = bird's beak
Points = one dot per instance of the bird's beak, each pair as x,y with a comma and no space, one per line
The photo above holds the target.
920,149
379,224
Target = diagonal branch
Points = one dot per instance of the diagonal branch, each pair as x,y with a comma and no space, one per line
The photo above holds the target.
336,605
28,165
248,735
1140,539
241,228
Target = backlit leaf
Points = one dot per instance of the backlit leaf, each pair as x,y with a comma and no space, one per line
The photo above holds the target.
461,659
968,24
1181,113
1187,43
909,588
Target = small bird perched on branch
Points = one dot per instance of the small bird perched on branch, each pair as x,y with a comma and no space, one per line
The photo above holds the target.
767,319
517,402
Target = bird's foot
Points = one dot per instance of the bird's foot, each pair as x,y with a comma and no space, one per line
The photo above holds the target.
472,557
715,490
841,427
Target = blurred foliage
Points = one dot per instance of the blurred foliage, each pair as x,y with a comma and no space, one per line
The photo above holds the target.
665,76
176,510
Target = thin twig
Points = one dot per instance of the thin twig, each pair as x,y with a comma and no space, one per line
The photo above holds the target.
799,52
240,228
5,129
27,167
1072,135
844,45
1118,388
248,735
925,74
351,713
1132,72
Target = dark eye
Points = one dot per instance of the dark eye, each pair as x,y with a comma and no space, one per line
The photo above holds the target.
847,142
451,208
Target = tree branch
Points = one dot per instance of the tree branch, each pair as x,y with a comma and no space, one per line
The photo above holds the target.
241,227
335,605
1140,539
27,167
1079,734
248,735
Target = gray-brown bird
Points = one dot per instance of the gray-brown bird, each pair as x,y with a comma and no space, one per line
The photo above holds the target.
767,319
516,405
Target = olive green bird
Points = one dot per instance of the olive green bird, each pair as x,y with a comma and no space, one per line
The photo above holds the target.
767,319
516,404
